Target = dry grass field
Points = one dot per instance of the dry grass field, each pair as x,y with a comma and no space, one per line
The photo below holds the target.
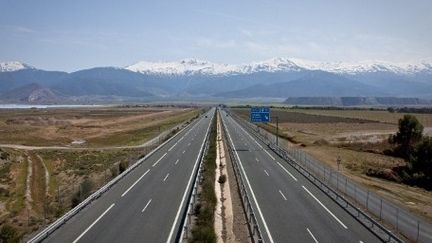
359,138
42,169
95,127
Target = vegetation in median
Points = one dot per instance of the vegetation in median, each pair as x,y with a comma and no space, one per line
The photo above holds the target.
203,230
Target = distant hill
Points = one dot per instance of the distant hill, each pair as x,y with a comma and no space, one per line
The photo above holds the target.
33,93
195,79
313,83
356,101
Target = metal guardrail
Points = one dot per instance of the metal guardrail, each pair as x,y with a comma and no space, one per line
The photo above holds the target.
194,193
369,222
254,229
63,219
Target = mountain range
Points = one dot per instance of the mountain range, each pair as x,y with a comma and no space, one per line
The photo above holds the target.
198,79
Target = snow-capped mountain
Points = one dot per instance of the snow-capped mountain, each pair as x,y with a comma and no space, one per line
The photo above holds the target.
183,67
194,66
13,66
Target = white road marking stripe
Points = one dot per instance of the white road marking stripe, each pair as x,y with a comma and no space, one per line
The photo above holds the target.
146,206
266,173
273,158
176,161
322,205
166,177
145,173
313,237
282,195
287,171
159,159
172,146
269,154
85,231
186,191
253,194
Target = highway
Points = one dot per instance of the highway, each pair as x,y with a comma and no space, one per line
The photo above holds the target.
149,203
288,207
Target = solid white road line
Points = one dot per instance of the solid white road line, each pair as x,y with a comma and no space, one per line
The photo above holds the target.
282,195
145,173
266,173
176,161
186,190
159,159
251,190
166,177
310,233
146,206
88,228
322,205
287,171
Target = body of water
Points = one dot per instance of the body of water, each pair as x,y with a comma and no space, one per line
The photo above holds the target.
22,106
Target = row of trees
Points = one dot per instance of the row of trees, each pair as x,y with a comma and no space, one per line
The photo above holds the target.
415,148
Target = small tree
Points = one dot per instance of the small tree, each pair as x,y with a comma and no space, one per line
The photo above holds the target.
123,166
409,134
421,162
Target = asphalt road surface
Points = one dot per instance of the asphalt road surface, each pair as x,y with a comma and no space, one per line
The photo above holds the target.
148,204
288,207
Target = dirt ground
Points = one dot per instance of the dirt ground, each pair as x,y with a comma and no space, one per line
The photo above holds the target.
87,127
359,138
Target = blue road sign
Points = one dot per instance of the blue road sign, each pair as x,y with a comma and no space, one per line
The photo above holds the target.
260,114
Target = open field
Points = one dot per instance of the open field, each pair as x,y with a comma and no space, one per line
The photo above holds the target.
39,185
359,138
94,127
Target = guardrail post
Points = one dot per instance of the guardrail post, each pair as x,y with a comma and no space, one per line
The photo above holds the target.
397,220
367,200
355,193
337,181
380,217
346,182
418,231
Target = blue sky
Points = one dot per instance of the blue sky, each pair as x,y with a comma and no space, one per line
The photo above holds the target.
72,35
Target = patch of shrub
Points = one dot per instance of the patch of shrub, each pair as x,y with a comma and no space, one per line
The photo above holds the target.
83,192
123,166
9,234
222,179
